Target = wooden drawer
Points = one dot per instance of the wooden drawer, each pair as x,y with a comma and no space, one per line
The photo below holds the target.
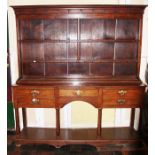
34,102
123,92
122,103
35,92
90,95
123,97
30,96
78,92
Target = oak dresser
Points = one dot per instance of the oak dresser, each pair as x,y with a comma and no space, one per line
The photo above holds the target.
88,53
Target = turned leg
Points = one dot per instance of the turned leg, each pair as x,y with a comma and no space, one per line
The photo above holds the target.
57,122
24,117
99,124
17,121
132,118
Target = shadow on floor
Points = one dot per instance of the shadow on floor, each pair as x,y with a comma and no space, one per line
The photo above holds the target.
64,150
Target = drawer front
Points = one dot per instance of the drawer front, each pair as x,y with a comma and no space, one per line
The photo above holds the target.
35,92
123,97
27,96
78,92
89,95
34,102
123,92
122,103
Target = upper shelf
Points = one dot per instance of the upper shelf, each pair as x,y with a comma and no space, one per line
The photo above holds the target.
77,41
81,30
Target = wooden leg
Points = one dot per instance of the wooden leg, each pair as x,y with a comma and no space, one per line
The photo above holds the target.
17,121
24,117
132,118
99,124
140,120
125,152
57,122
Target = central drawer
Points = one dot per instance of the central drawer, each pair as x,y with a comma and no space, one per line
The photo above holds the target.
89,94
78,92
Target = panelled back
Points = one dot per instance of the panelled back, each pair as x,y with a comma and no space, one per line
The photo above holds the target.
80,43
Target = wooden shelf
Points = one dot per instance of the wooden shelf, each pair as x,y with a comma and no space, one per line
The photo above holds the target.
90,81
83,61
78,136
78,41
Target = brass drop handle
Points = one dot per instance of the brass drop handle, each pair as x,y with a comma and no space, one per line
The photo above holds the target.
34,92
35,100
34,61
122,92
121,101
78,92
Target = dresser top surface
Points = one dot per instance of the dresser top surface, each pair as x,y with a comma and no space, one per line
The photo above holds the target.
80,6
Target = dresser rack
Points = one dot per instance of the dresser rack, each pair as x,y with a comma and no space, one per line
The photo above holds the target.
87,53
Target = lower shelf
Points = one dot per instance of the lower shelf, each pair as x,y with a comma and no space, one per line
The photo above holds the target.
109,136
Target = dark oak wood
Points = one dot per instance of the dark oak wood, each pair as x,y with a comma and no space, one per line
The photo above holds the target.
98,96
132,119
88,53
78,136
44,149
24,117
57,122
80,41
17,121
140,120
99,124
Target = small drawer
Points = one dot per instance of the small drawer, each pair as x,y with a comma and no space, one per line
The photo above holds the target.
35,92
123,93
130,93
78,92
34,102
122,103
123,97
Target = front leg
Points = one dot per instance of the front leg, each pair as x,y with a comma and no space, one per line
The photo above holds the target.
17,121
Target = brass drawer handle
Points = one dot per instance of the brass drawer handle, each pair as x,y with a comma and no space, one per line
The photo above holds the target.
34,61
78,92
35,100
121,101
122,92
35,92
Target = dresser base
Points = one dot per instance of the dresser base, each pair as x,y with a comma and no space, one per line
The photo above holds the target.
121,138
